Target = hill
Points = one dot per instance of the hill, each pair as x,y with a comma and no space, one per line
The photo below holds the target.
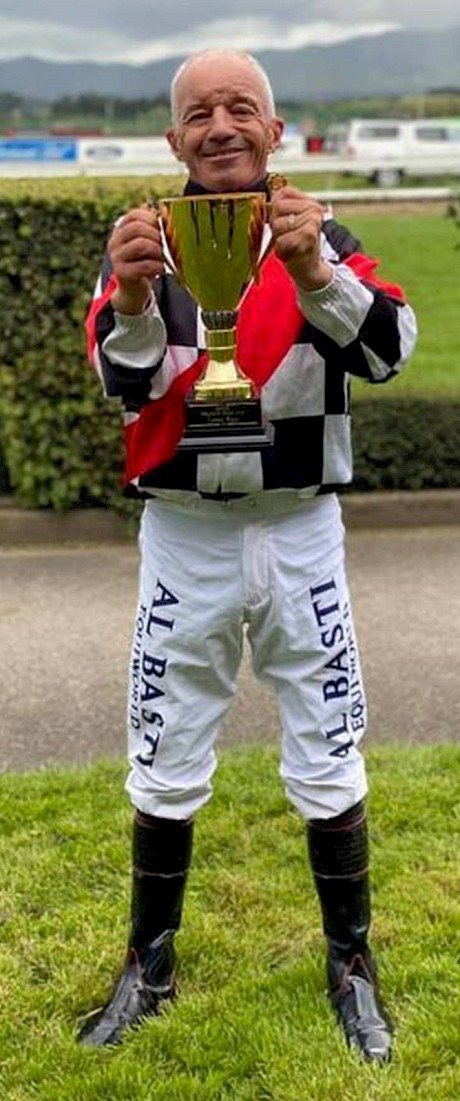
394,63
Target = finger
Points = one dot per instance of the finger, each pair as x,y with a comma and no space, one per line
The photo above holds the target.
300,208
288,192
133,248
140,248
282,228
306,221
138,214
292,195
132,230
134,271
135,239
296,229
292,199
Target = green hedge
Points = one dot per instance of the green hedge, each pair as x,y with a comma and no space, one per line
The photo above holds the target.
406,442
61,441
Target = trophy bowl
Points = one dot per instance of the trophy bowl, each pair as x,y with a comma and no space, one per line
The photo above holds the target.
214,243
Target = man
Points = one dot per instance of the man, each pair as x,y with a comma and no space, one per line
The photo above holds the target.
249,538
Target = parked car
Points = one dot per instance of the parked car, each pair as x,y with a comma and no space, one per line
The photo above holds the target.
387,150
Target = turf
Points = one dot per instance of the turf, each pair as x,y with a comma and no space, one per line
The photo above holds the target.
422,253
252,1022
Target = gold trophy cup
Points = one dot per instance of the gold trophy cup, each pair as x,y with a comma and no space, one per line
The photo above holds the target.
215,242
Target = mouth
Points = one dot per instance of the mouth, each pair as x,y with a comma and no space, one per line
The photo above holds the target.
223,154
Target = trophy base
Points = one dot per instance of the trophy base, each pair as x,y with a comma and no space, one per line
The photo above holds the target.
229,425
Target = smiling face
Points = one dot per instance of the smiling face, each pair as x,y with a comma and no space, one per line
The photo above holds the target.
225,130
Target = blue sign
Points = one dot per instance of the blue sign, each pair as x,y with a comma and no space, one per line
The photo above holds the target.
38,149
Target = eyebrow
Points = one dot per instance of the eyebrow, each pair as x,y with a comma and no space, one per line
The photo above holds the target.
237,97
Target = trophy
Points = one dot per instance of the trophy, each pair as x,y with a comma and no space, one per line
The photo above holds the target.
214,242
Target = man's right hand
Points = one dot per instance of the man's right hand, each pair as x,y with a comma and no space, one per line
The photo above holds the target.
136,255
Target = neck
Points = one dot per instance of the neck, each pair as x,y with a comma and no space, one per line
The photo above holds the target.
194,188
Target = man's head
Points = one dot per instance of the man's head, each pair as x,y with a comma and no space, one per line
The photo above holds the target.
224,122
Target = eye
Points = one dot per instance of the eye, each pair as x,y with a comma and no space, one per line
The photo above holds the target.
243,110
199,115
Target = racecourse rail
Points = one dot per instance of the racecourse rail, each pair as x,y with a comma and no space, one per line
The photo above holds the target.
58,157
39,155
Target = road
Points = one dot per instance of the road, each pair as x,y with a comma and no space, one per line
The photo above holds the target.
65,624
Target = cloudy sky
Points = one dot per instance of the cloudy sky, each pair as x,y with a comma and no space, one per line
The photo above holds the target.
146,30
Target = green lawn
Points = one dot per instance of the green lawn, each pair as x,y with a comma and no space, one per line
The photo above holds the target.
335,181
422,253
252,1022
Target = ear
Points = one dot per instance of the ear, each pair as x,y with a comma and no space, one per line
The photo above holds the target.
276,128
174,141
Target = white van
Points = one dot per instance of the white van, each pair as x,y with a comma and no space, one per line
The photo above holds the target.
386,150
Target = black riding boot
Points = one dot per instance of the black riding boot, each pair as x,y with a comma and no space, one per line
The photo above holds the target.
338,849
161,856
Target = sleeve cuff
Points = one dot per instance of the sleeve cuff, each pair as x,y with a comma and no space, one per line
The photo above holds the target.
338,309
137,340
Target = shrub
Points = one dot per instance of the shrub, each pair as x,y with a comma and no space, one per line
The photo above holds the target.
62,441
406,442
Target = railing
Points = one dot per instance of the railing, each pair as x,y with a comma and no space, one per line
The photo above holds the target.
390,195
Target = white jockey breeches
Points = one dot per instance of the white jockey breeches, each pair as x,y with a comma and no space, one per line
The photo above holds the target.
205,573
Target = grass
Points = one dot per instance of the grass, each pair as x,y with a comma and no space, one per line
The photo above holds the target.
252,1022
314,181
422,253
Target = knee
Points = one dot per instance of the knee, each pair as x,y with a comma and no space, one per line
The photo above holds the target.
166,800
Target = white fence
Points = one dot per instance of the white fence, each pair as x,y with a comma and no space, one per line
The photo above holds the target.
24,156
27,157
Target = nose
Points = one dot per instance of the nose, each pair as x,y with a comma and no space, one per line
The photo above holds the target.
222,123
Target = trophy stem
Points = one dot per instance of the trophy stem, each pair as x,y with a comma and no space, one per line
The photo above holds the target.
223,379
222,383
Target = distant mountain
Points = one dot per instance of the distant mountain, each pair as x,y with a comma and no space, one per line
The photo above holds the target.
395,63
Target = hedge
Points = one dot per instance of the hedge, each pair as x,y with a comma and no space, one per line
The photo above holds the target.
62,442
406,442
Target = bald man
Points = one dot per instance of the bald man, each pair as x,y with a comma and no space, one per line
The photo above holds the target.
245,538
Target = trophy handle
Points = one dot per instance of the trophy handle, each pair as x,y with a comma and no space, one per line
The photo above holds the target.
257,259
275,181
164,220
267,250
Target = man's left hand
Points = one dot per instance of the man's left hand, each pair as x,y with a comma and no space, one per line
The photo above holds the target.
296,220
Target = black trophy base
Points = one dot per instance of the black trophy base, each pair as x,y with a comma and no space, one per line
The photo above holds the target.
225,425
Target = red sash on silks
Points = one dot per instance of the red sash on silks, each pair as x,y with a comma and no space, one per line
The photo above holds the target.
364,267
269,321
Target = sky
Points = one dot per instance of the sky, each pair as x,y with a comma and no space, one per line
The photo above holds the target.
148,30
